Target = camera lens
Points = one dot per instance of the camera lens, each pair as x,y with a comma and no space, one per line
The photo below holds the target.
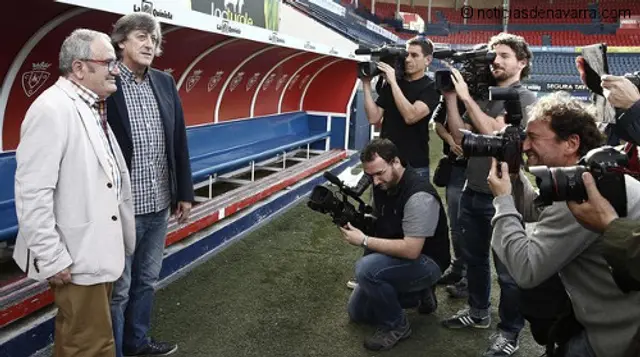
323,200
482,145
569,183
559,183
367,69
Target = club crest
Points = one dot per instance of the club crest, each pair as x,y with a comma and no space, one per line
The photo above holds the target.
252,81
236,81
193,79
281,81
214,80
33,80
268,81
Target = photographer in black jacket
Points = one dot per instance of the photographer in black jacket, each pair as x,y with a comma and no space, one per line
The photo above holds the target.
408,254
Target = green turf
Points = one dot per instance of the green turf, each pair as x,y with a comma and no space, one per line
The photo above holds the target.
280,291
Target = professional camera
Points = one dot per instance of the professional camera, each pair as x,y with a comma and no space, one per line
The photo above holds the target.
606,164
342,211
507,145
391,55
474,66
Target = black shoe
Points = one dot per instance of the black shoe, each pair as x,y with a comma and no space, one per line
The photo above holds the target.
154,348
428,302
450,277
384,340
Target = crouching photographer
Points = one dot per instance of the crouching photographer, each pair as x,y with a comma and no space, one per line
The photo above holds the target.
406,253
559,135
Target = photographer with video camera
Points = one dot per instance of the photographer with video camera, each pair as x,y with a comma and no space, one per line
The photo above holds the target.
512,63
562,135
406,253
404,102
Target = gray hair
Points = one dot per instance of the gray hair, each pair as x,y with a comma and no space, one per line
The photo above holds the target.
136,21
77,46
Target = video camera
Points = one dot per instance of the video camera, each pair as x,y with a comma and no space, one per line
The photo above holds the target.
394,56
323,200
475,67
507,145
606,164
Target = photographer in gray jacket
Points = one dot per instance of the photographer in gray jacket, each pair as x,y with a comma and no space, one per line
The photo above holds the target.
560,131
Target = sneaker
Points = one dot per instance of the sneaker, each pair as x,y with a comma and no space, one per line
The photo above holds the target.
154,348
463,319
428,302
352,283
450,277
383,340
501,346
458,290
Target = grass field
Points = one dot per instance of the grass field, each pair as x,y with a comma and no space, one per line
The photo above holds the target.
280,291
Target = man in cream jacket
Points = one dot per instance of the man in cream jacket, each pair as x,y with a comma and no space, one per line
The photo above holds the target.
73,196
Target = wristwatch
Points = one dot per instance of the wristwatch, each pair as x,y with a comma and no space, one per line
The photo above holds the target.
365,241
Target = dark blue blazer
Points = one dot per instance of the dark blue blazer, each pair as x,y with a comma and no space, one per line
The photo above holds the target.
175,133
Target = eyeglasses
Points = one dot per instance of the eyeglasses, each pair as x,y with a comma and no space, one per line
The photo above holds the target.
111,64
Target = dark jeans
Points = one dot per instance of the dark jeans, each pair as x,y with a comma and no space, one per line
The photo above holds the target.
386,285
453,192
476,211
132,299
423,171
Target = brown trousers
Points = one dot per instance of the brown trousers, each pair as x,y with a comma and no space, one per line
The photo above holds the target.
83,323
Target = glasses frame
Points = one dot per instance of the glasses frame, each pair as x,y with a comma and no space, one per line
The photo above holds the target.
111,64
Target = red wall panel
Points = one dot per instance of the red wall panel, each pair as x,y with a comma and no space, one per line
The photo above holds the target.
237,97
337,79
291,99
181,47
201,88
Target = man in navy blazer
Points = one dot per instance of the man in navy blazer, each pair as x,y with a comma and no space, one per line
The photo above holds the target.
146,117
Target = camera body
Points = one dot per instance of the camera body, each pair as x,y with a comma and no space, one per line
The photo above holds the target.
393,56
342,211
607,166
507,145
474,66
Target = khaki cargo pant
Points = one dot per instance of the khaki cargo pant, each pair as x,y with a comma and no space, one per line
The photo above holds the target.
83,323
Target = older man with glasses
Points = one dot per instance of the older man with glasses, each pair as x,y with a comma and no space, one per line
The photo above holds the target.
73,196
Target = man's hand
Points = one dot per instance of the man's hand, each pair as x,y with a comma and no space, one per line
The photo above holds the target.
500,186
60,279
352,235
596,213
461,86
621,92
182,211
455,148
388,71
